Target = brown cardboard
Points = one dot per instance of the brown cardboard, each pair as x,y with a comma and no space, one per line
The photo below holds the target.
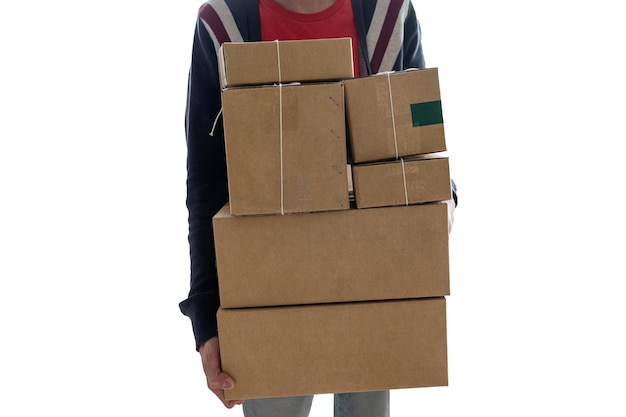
257,63
336,256
285,148
334,348
407,181
372,118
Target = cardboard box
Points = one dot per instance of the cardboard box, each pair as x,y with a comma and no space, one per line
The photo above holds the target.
406,102
286,148
400,182
336,256
261,63
334,348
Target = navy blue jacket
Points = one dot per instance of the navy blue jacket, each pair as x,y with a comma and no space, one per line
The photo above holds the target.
389,39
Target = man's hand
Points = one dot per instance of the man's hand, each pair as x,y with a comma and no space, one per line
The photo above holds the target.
217,381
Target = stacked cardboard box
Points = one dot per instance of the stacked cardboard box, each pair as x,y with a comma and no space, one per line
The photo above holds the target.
416,179
265,63
318,296
285,148
393,115
397,136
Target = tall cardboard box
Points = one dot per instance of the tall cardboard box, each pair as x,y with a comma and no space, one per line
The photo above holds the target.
407,181
333,348
392,115
261,63
286,148
334,256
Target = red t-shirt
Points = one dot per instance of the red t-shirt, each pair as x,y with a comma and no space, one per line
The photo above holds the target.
337,21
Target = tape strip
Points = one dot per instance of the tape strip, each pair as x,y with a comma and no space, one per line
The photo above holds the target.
406,193
393,116
280,129
280,77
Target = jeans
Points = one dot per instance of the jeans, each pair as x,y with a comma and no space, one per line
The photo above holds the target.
361,404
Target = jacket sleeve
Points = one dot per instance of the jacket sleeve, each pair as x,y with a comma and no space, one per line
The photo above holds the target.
412,53
412,56
207,187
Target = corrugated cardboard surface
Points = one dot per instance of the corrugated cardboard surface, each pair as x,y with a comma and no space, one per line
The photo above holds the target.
286,148
371,120
352,347
257,63
410,181
349,255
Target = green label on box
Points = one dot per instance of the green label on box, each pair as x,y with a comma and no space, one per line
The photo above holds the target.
428,113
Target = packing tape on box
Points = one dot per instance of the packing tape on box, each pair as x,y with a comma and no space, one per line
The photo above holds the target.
406,193
280,140
280,128
393,116
280,76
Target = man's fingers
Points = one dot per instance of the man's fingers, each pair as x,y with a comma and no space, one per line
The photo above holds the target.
220,394
216,380
218,384
220,381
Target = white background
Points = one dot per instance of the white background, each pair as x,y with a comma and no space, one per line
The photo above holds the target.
94,257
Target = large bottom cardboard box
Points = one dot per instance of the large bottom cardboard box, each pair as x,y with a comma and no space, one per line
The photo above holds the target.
336,256
350,347
408,181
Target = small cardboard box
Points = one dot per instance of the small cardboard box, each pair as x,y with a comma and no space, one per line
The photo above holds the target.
335,256
391,115
400,182
262,63
286,148
334,348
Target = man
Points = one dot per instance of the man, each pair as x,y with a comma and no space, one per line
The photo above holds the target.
386,36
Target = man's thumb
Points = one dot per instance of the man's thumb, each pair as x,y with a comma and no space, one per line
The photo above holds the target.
222,381
228,384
